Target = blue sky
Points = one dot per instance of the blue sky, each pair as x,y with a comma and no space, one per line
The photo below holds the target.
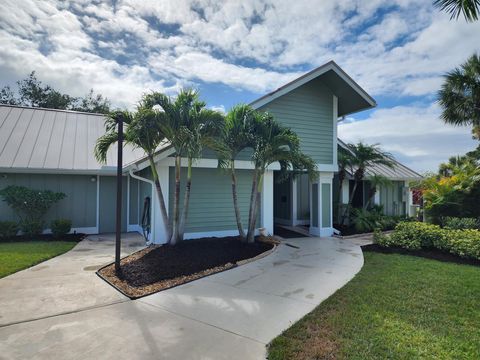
235,51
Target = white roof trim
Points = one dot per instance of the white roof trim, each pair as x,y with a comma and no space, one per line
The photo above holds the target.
331,65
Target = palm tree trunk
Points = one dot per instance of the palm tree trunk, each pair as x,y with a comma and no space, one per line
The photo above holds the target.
253,220
350,200
186,200
253,200
176,200
161,199
238,217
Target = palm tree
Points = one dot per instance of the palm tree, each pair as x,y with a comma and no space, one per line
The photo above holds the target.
460,94
142,131
469,8
272,143
236,137
365,156
375,182
188,126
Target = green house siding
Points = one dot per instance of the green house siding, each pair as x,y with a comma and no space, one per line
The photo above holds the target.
326,206
211,204
303,194
107,204
308,110
80,204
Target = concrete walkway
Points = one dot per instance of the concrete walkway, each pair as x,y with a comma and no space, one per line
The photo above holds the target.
230,315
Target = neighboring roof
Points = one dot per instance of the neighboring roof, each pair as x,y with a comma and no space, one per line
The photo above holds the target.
351,97
37,139
398,172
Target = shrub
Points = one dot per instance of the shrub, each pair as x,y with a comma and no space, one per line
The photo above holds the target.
30,205
60,227
31,227
456,223
417,235
8,229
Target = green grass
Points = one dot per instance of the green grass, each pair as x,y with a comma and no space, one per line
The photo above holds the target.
397,307
16,256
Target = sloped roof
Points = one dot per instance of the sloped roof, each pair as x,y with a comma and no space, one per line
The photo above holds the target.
351,97
37,139
397,172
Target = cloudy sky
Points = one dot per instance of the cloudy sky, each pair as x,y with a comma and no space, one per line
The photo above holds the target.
235,51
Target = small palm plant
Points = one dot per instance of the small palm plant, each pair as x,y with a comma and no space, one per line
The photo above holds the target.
142,131
376,181
469,8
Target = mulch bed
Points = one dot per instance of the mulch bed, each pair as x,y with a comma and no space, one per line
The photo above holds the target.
429,254
44,237
161,267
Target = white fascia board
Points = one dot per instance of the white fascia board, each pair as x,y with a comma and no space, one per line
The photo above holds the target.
107,170
308,77
213,163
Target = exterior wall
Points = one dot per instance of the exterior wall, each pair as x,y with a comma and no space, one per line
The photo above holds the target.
308,110
321,205
211,204
108,204
80,204
392,198
282,200
303,196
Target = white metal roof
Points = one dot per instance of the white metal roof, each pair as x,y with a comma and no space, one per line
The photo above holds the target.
397,172
37,139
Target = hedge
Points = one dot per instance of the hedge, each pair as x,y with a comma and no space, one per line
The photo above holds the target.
417,235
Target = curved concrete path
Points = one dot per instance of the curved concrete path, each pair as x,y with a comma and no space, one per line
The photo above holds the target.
230,315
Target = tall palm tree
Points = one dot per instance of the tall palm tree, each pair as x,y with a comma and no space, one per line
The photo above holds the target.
365,156
469,8
142,131
188,126
272,143
460,94
236,137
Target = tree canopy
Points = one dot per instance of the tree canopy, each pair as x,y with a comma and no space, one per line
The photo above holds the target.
32,92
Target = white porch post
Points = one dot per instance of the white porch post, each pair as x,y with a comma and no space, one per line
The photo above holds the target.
345,191
267,202
326,204
294,202
159,229
314,207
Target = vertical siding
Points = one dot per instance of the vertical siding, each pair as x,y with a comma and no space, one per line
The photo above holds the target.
303,193
211,204
326,205
79,205
308,110
108,203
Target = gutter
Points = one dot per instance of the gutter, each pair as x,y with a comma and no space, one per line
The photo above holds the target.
149,242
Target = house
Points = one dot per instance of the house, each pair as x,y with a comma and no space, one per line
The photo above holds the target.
53,149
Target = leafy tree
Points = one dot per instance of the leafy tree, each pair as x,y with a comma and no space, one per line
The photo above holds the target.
363,157
469,8
31,92
459,96
273,142
375,181
189,127
30,205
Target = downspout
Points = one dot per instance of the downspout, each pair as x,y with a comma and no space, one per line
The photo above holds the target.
149,242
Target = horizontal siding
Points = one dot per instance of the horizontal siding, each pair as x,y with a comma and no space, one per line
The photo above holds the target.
79,205
308,110
211,204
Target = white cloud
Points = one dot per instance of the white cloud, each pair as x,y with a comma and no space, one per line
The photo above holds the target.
414,134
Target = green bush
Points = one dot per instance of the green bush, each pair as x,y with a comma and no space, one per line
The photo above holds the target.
417,235
457,223
8,229
31,227
30,206
60,227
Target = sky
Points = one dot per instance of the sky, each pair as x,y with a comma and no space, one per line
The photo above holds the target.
236,51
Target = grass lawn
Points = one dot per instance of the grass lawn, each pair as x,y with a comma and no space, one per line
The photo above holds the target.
397,307
15,256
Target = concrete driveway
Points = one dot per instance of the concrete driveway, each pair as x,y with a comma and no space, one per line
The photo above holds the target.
230,315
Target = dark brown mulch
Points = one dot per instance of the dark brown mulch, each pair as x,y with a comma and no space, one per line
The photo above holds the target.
429,254
44,237
161,267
